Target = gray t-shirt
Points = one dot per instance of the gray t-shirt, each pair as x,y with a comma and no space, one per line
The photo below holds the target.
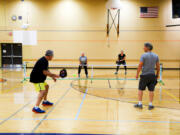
149,60
83,60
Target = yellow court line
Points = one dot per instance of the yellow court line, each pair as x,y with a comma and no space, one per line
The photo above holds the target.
16,86
171,95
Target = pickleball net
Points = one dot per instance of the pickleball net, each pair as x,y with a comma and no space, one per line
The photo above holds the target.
95,71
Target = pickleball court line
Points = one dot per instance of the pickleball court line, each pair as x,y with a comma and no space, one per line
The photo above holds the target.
15,112
8,118
96,120
80,107
171,95
60,99
16,86
130,102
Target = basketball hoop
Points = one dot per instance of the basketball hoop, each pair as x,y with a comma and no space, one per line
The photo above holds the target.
113,4
114,16
113,8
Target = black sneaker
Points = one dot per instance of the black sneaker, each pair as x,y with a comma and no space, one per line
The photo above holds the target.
138,106
151,107
116,73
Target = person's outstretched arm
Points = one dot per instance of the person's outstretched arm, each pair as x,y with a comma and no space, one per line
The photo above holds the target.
48,73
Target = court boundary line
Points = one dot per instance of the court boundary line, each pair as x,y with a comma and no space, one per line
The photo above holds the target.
47,114
9,118
80,107
124,87
119,100
171,95
15,87
175,99
95,120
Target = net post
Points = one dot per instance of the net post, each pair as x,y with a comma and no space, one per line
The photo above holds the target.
161,67
92,70
24,70
160,80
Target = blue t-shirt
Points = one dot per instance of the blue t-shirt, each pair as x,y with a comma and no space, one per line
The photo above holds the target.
149,60
83,60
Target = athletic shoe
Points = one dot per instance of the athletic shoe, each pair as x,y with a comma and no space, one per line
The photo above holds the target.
79,75
151,107
86,76
116,73
125,72
138,106
38,110
47,103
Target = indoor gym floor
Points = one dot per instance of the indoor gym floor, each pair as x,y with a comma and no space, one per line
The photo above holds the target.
101,107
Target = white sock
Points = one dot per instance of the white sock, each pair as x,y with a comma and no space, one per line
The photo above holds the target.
140,103
45,100
150,103
36,107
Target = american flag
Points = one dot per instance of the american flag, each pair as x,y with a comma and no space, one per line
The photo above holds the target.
148,12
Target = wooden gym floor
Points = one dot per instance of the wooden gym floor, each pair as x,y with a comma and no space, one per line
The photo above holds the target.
101,107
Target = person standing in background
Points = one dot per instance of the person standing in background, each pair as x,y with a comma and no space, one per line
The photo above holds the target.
83,63
121,61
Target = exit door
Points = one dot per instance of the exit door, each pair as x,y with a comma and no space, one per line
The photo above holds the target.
11,54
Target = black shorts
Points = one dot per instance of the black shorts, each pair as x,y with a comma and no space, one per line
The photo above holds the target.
121,62
149,81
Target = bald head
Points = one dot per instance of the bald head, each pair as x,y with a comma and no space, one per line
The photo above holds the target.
83,54
122,52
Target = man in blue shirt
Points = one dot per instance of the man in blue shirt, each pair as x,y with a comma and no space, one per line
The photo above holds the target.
83,63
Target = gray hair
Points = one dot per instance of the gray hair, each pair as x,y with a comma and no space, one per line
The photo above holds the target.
49,53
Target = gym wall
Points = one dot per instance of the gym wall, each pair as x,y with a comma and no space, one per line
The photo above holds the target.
70,27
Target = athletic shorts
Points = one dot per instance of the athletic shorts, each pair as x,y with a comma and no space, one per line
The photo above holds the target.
121,62
149,81
40,86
